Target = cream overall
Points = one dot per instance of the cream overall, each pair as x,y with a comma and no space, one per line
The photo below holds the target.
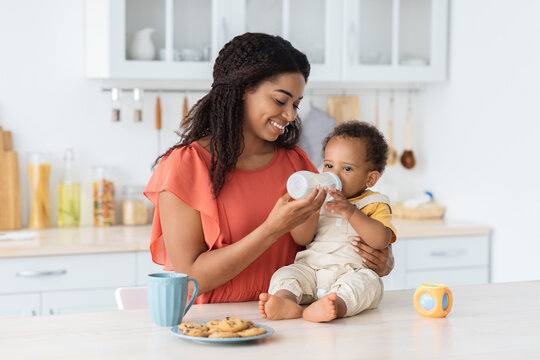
329,264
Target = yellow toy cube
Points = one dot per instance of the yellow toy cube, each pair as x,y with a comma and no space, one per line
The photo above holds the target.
433,300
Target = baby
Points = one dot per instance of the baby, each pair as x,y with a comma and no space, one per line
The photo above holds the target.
329,275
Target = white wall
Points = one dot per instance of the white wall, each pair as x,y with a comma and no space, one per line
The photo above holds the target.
480,130
474,136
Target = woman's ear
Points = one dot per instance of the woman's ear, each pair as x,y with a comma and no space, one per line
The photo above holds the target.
372,178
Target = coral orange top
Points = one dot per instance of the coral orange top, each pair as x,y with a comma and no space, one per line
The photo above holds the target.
243,204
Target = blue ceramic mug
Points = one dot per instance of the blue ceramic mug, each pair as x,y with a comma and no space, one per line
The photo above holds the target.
167,297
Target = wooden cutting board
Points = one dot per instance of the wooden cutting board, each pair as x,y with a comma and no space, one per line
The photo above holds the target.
10,201
344,108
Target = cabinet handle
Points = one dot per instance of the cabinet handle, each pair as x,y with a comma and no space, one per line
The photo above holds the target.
33,273
449,253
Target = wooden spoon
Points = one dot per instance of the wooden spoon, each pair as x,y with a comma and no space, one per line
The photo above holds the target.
407,158
392,154
185,111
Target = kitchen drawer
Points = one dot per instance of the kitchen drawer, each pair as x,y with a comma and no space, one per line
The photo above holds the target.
450,277
66,302
145,266
34,274
448,252
19,305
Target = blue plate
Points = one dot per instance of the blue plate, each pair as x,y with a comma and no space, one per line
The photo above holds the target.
269,331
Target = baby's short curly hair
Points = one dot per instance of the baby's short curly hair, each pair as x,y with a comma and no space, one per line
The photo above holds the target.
376,146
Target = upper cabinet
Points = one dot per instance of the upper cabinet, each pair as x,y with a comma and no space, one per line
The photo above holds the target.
150,39
312,26
344,40
395,40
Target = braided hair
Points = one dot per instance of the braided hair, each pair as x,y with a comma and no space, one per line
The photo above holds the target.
243,64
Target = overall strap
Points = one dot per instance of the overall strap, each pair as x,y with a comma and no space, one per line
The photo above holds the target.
371,199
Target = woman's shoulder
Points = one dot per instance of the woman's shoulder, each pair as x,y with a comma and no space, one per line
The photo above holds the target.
184,155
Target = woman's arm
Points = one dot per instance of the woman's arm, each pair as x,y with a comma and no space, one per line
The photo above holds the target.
187,250
380,261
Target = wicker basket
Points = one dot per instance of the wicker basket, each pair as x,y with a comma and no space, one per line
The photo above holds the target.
425,211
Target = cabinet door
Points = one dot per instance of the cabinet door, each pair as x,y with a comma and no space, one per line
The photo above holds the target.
50,273
312,26
395,40
66,302
145,266
449,277
181,44
15,305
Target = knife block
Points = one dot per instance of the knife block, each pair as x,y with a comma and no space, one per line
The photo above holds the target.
10,201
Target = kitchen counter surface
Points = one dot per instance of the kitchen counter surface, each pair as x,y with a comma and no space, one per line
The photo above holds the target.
86,240
493,321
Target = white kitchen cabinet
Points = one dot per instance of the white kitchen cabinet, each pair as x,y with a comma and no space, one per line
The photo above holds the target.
60,284
185,38
395,40
53,273
345,40
312,26
13,305
452,260
66,302
145,266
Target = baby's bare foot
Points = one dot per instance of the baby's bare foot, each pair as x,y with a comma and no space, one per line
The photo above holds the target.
322,310
274,307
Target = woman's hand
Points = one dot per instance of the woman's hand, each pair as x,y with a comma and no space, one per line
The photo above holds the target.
288,214
380,261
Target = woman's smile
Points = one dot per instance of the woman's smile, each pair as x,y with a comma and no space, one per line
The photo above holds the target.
279,128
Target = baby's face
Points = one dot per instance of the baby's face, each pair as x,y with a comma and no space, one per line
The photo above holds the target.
346,157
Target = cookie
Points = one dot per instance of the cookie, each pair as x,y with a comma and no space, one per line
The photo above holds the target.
196,332
213,324
191,325
250,324
230,324
223,335
254,331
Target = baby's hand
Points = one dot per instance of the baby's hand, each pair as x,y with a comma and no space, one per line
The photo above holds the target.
340,205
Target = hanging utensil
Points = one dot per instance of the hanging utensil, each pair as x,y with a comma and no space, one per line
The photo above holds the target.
185,111
392,154
158,124
407,158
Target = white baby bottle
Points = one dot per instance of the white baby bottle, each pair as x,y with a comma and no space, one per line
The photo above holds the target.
302,183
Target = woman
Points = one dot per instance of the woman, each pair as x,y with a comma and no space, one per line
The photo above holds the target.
223,215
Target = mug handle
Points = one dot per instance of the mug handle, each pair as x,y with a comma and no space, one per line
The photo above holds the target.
194,295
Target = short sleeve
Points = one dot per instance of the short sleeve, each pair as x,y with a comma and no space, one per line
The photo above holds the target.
382,213
184,173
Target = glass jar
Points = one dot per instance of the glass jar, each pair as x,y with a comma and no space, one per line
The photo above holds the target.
69,194
135,209
104,201
39,171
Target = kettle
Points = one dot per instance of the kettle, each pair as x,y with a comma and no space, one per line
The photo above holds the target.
141,46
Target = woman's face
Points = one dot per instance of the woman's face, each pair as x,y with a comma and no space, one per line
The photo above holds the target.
272,106
346,157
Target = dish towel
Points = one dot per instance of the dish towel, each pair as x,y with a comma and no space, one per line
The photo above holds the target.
315,126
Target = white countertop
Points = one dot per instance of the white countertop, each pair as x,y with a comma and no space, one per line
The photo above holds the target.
493,321
87,240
